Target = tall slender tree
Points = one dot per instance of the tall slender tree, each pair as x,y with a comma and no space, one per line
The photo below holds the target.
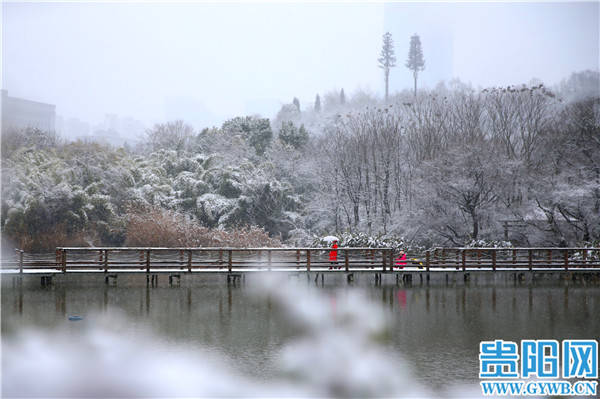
415,61
342,97
317,103
387,59
296,103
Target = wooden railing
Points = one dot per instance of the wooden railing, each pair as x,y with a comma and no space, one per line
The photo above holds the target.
518,258
151,259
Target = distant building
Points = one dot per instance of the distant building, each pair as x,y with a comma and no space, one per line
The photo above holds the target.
18,113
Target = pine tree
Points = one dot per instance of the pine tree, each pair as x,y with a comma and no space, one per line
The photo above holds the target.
290,135
297,103
342,97
387,59
317,104
415,61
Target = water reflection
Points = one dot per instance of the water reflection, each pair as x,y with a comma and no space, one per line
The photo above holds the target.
437,329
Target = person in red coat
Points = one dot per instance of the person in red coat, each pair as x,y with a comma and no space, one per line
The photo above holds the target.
401,260
333,253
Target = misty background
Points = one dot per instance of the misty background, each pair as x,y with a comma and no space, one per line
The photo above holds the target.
195,124
127,66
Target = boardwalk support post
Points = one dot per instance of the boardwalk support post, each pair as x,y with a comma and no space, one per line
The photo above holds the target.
46,281
566,252
464,259
173,277
308,260
494,260
109,278
427,260
229,262
189,261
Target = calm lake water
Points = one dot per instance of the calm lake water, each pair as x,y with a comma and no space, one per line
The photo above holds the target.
434,331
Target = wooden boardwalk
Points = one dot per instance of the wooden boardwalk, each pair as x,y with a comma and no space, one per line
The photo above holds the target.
230,260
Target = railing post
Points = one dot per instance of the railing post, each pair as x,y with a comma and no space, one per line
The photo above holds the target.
427,260
391,260
297,258
229,262
308,260
383,257
464,259
585,257
20,261
147,261
530,254
105,260
494,260
189,260
514,253
566,259
457,258
549,258
64,260
269,257
346,258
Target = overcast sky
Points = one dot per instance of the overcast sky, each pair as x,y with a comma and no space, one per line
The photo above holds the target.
206,62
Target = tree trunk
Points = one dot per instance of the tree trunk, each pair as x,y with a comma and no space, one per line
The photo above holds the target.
415,75
387,78
386,189
475,225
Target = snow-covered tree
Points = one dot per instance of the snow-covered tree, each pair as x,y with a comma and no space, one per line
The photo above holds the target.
387,60
415,61
317,103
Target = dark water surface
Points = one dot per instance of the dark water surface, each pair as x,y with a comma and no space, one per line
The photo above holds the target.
436,330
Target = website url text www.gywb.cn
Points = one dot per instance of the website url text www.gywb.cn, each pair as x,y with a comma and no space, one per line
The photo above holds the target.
537,388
